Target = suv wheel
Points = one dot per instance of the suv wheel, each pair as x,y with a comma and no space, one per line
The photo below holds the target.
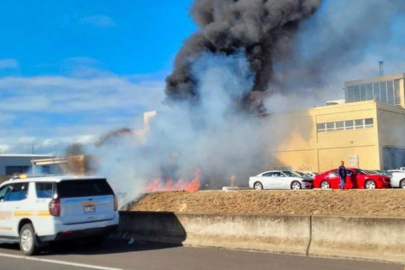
402,183
27,240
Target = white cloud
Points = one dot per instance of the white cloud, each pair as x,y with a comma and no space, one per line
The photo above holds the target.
4,148
86,139
8,64
63,94
26,140
99,21
51,112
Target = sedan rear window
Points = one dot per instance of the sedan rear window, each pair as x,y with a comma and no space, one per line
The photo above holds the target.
83,188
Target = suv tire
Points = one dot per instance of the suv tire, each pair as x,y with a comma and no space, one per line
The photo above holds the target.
27,241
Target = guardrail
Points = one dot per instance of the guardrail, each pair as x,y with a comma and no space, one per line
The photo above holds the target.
381,239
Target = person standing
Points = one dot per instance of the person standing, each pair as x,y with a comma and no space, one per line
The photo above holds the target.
342,175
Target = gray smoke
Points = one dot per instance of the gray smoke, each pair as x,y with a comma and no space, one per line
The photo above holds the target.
332,45
261,28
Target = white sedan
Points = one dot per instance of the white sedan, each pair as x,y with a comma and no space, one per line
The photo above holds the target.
279,180
397,179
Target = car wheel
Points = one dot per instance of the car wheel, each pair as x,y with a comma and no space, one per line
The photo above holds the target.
325,185
27,240
402,183
295,185
258,186
370,184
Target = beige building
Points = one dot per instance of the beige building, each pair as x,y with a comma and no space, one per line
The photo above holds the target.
368,131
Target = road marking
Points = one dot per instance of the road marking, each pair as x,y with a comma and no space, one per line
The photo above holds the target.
58,262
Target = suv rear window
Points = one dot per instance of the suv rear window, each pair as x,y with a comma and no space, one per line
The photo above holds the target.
83,188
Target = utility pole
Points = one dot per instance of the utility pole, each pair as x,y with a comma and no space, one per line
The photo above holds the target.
33,148
381,68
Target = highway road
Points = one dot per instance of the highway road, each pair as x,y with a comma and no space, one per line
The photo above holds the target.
118,254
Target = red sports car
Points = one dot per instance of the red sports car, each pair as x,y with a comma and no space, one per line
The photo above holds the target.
355,178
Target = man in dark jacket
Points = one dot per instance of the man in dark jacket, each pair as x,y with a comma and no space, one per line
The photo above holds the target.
342,175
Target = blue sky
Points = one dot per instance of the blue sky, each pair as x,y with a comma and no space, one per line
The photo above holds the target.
73,70
129,37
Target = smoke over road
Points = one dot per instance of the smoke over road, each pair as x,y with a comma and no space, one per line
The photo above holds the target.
260,28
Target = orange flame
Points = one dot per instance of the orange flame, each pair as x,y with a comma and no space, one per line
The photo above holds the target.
191,186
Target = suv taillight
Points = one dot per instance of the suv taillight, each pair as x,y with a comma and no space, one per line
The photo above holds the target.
54,207
115,203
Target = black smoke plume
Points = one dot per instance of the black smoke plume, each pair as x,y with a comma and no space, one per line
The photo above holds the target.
260,28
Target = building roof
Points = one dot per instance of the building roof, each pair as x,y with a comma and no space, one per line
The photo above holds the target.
396,76
25,155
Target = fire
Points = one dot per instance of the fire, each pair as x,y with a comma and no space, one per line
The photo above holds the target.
171,185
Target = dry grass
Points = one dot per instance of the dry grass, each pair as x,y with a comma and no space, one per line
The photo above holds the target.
386,203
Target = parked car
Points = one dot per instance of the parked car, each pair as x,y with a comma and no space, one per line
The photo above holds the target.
39,210
398,179
279,180
384,172
356,178
300,174
310,174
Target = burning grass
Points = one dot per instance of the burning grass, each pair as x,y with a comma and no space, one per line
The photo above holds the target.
171,185
385,203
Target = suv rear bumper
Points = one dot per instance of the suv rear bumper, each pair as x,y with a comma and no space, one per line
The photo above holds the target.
59,231
72,235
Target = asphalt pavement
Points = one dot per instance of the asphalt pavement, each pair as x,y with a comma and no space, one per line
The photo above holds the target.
118,254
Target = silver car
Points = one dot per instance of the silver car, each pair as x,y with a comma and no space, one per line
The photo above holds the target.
279,180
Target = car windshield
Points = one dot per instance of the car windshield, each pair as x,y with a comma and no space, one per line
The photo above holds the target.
290,174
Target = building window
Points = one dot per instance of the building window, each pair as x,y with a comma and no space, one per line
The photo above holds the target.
340,126
345,125
330,126
390,93
370,95
383,92
377,92
349,125
369,122
363,92
350,94
10,170
386,92
396,93
393,158
359,124
321,127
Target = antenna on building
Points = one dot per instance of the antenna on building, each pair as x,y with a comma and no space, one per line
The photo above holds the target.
381,68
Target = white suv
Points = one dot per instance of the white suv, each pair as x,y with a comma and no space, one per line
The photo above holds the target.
37,210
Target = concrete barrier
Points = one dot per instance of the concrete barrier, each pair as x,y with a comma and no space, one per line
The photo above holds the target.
359,237
381,239
279,234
